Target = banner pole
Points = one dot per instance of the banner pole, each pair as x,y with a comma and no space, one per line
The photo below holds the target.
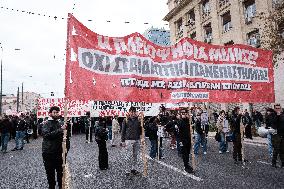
71,127
64,181
191,140
242,142
159,138
145,166
90,122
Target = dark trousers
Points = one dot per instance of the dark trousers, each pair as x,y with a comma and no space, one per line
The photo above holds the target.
248,131
52,163
87,134
278,148
237,148
185,150
103,154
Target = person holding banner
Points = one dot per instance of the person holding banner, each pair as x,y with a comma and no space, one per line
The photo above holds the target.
52,132
130,136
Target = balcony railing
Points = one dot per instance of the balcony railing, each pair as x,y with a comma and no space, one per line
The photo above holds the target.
248,19
205,14
227,27
179,34
208,38
253,41
191,22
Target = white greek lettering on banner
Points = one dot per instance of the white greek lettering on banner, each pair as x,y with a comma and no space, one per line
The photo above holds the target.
104,63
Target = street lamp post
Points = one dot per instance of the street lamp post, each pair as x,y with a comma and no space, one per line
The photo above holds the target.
1,82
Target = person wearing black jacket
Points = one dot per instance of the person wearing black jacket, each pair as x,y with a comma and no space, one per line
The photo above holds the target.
247,121
257,118
278,139
88,127
152,129
52,132
5,129
21,129
101,136
182,129
270,120
201,134
236,119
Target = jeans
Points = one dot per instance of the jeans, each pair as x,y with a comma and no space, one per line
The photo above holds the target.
109,132
4,141
270,148
20,135
178,146
223,145
154,149
200,140
258,123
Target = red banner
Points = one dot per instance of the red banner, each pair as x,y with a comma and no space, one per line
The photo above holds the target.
131,68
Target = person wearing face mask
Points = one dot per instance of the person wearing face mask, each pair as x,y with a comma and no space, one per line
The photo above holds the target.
52,132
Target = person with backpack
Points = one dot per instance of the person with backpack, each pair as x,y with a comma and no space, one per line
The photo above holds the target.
101,136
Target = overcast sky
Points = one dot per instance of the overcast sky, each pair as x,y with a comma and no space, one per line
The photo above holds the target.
40,62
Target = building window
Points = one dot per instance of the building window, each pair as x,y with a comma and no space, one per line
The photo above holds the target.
229,43
206,8
226,20
207,33
250,10
193,35
277,4
223,3
253,38
177,2
179,29
191,18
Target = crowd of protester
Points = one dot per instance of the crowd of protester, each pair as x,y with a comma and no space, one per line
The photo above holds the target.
187,129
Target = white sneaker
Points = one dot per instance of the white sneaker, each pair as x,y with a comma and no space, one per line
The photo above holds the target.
204,153
227,151
220,152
